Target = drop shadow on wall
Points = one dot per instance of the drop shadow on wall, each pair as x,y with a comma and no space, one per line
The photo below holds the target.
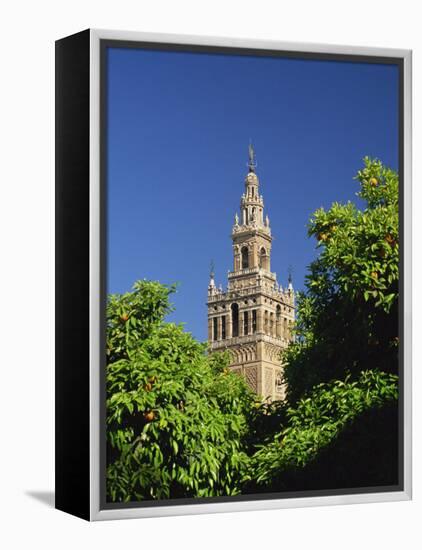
45,497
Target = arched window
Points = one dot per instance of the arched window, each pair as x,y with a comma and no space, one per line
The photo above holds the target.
245,257
214,322
278,321
245,323
235,320
254,321
263,258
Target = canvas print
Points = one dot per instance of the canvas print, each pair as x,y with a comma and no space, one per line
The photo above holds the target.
252,335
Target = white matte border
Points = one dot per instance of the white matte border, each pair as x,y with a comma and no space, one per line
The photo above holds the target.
95,276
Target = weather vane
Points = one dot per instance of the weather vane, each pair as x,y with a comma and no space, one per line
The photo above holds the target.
252,161
212,269
289,271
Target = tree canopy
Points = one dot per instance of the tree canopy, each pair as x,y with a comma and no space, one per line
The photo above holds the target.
175,416
347,320
181,424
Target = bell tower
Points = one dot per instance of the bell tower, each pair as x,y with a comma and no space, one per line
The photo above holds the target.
253,316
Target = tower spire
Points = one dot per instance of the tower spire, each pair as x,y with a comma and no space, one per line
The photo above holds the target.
252,160
211,286
252,204
290,279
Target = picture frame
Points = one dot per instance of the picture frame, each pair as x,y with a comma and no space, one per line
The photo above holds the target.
81,285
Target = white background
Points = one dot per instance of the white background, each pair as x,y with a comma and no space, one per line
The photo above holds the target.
28,31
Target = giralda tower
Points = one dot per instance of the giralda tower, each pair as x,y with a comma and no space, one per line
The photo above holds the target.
253,317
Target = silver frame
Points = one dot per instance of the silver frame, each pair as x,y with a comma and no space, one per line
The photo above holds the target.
136,512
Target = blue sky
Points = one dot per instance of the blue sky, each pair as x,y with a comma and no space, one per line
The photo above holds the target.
179,125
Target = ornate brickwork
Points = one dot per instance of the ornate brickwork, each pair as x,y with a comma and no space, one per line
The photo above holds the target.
251,376
243,354
269,383
252,317
273,353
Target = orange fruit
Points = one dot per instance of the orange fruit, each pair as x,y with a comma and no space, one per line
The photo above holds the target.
149,416
391,240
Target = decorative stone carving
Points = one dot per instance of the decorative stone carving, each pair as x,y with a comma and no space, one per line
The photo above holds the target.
276,352
268,383
251,377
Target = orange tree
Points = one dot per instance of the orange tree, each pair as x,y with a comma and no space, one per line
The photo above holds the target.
176,417
347,320
340,434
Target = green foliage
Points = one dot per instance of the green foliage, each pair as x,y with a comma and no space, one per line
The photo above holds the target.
364,454
175,417
348,319
132,316
315,422
264,420
181,424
